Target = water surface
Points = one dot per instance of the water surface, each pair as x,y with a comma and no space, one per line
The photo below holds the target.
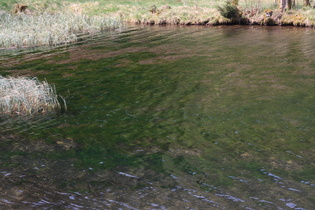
167,118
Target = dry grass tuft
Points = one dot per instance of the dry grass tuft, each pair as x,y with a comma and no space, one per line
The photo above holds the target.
24,96
50,29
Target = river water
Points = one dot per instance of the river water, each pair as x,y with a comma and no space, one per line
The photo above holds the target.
167,118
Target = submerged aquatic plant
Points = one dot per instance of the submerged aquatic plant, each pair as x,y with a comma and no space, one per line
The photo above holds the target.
50,29
25,96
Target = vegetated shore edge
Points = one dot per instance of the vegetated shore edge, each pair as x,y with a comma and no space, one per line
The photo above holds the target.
184,15
88,18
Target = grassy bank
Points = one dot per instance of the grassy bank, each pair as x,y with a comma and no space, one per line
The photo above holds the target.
51,22
49,29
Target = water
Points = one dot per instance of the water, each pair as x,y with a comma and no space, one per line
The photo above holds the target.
167,118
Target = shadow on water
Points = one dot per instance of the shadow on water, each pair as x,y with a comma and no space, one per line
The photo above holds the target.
167,118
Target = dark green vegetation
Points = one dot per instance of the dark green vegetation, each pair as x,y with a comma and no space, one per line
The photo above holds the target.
230,11
227,116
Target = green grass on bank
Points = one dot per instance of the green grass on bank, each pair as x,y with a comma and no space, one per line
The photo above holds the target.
103,6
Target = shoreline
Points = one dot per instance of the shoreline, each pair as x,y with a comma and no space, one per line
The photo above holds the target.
42,27
212,17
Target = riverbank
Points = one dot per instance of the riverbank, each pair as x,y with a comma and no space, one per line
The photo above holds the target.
56,22
181,12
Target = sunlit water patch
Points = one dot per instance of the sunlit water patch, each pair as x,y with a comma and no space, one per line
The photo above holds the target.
167,118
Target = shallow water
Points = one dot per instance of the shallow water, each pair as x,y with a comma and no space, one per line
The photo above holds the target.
167,118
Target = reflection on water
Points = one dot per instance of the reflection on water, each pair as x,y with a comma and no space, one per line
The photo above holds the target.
167,118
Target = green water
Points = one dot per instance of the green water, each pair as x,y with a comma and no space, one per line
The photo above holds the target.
167,117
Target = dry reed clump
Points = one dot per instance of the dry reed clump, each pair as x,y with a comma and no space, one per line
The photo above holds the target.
50,29
24,96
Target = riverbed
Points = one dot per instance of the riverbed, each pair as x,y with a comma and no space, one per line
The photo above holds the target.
167,117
